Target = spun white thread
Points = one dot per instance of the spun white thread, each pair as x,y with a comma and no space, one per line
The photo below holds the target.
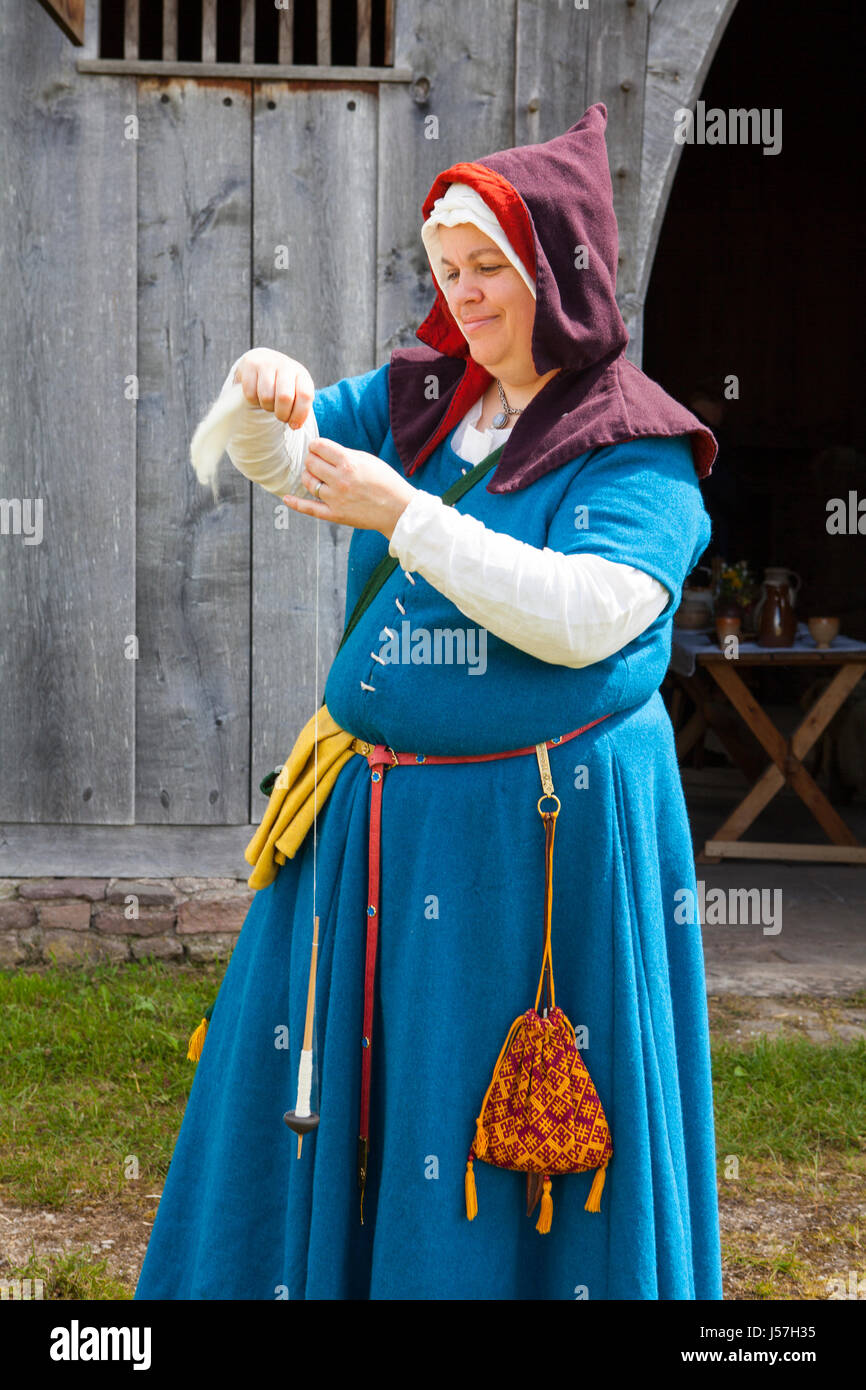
305,1083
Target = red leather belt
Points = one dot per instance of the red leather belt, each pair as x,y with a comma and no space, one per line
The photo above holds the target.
380,758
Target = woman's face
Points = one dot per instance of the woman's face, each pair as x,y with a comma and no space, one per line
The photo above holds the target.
490,301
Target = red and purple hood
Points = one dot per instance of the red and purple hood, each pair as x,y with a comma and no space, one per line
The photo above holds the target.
551,199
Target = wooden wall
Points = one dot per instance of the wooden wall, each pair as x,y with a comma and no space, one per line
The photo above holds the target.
135,270
68,269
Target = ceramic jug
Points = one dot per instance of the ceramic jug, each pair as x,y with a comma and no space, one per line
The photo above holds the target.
777,574
777,624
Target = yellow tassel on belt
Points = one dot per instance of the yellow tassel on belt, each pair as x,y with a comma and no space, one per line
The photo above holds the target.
196,1042
289,812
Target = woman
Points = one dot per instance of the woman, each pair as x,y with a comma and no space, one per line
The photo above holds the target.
562,573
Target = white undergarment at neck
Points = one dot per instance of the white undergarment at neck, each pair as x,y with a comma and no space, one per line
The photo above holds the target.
473,445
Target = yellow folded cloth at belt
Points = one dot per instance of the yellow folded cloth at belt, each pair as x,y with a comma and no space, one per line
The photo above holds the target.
296,795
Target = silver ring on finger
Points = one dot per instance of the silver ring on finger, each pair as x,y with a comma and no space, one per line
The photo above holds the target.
319,489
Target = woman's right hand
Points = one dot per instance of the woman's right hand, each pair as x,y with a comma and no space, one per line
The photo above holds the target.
277,383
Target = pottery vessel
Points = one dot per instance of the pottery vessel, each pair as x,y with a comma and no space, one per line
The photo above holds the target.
778,623
696,609
776,574
726,625
824,630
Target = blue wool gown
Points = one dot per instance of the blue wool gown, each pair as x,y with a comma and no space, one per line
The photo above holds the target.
461,931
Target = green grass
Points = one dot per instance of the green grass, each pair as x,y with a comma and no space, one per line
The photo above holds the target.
786,1098
78,1275
93,1072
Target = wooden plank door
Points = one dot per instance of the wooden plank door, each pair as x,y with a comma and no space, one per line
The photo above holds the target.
67,439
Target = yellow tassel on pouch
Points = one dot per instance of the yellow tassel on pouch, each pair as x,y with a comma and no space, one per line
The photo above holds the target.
593,1201
545,1216
471,1196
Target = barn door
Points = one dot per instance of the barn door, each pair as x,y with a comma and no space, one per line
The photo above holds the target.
256,227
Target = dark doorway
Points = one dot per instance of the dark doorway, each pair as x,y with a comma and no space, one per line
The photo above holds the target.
759,276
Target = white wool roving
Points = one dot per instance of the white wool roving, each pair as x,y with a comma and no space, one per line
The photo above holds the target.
214,433
259,445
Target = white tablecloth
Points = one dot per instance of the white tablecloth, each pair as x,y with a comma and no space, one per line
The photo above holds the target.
685,645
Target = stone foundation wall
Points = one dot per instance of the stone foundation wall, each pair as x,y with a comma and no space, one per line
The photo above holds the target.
74,920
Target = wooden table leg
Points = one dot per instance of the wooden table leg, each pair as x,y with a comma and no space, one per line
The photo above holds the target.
707,715
688,736
786,755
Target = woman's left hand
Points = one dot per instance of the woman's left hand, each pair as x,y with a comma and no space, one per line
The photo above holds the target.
358,489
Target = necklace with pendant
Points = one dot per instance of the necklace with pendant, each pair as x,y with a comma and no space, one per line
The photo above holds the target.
501,416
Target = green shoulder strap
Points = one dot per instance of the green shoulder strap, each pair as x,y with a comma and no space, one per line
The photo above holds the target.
388,564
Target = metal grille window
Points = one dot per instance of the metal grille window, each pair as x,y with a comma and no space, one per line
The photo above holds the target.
247,38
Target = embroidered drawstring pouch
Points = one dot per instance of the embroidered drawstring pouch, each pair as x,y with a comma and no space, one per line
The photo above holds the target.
541,1113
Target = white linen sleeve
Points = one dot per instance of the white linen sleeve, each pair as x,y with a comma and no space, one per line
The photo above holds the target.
265,450
571,610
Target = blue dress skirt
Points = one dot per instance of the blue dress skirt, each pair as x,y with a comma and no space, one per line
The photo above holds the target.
460,938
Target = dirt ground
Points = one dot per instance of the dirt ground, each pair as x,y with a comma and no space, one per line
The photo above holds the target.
117,1230
802,1238
785,1235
